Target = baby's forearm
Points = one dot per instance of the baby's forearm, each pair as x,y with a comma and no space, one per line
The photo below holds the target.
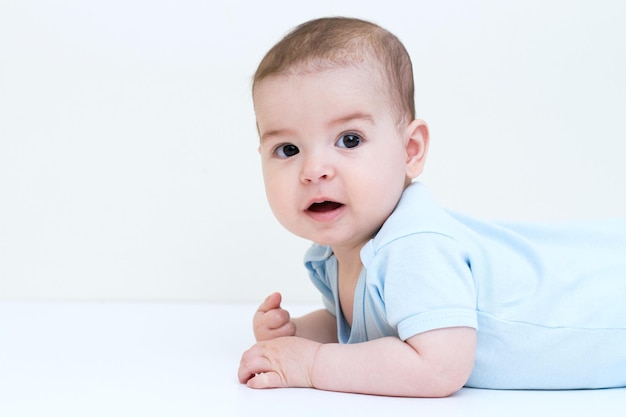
431,364
319,325
386,366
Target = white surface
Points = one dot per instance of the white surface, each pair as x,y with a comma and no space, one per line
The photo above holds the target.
143,359
128,164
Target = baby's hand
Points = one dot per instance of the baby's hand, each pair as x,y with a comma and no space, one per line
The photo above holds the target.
279,363
271,321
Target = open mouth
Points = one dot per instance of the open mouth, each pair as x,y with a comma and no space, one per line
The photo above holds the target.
324,206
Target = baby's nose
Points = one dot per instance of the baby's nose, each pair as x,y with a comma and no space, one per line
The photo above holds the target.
316,169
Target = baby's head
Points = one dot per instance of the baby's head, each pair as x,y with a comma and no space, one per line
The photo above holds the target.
340,42
339,141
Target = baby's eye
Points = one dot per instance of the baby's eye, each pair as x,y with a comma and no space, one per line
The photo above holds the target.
349,140
287,150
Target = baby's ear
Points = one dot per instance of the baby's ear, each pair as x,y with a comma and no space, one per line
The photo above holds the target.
416,137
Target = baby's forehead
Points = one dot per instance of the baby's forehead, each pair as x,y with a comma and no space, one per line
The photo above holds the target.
371,88
332,82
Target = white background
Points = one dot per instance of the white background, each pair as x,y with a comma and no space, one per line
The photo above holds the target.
128,165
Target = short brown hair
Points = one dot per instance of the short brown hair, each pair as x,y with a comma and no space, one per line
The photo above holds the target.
339,41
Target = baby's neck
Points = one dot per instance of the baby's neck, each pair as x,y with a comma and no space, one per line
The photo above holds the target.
348,272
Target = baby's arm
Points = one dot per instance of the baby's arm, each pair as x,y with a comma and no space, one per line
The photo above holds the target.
319,325
272,321
432,364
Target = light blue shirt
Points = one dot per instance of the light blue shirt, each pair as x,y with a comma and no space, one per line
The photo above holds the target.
548,301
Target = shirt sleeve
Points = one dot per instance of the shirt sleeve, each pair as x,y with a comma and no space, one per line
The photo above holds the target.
424,281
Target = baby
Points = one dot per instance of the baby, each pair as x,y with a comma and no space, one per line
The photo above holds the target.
419,301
